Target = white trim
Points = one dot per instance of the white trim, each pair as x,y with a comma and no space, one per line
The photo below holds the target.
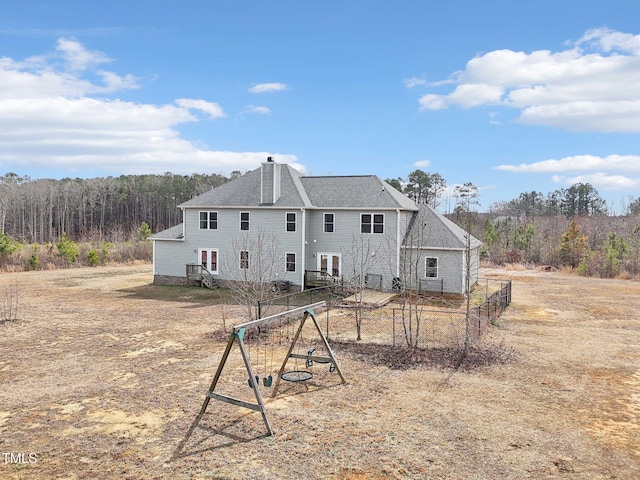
295,222
373,214
208,212
303,249
330,256
332,223
437,259
442,249
295,262
289,207
210,249
398,243
248,221
240,267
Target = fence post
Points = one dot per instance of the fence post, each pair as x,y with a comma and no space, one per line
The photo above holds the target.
393,327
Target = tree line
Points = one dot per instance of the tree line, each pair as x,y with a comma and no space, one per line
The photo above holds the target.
111,208
567,227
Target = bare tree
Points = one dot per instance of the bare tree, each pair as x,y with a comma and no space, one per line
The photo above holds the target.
360,258
467,198
255,263
10,302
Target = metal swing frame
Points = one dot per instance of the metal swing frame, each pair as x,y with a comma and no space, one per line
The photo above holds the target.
237,336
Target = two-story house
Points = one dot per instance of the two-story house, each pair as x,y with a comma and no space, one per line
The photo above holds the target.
314,227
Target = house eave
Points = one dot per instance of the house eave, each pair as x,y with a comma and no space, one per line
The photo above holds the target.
444,249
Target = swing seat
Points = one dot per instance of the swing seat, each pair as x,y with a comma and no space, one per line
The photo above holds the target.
250,382
267,381
296,376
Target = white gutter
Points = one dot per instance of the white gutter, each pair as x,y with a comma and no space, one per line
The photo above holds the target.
183,224
443,249
398,242
303,249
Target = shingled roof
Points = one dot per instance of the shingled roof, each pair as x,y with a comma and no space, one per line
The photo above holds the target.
430,228
297,190
244,191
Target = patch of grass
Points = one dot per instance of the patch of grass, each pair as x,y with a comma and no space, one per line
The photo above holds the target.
177,293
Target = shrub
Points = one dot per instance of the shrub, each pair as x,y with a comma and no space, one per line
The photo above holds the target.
7,245
144,232
34,261
68,249
93,259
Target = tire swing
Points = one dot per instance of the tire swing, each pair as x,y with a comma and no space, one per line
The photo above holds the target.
297,375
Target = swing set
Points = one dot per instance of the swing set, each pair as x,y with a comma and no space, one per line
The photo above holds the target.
295,375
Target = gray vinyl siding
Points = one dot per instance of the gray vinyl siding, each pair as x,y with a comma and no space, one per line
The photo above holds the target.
451,269
450,265
171,256
346,232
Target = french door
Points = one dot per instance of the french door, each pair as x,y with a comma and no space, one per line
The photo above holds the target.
329,263
208,258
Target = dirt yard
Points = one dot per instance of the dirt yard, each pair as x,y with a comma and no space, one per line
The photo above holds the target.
104,376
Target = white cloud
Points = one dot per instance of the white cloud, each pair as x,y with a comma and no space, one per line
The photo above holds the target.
269,87
258,109
414,82
422,163
613,172
212,109
578,163
601,181
78,58
50,120
592,86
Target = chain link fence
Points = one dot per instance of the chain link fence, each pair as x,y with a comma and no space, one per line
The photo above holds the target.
408,325
411,326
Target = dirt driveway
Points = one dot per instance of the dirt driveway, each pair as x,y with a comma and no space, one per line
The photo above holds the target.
104,376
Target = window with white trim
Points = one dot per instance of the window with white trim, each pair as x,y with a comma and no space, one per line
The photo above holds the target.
290,260
431,267
244,259
244,220
208,220
329,223
371,223
290,221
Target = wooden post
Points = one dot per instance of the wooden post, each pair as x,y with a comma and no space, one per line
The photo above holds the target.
238,336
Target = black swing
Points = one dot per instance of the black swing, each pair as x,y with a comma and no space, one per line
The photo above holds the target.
332,367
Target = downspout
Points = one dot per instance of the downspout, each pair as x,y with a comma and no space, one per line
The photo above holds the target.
303,248
397,242
153,258
183,224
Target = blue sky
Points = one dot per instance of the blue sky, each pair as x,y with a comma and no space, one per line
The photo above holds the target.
511,96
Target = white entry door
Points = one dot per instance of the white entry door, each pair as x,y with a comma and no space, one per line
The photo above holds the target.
329,263
208,258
